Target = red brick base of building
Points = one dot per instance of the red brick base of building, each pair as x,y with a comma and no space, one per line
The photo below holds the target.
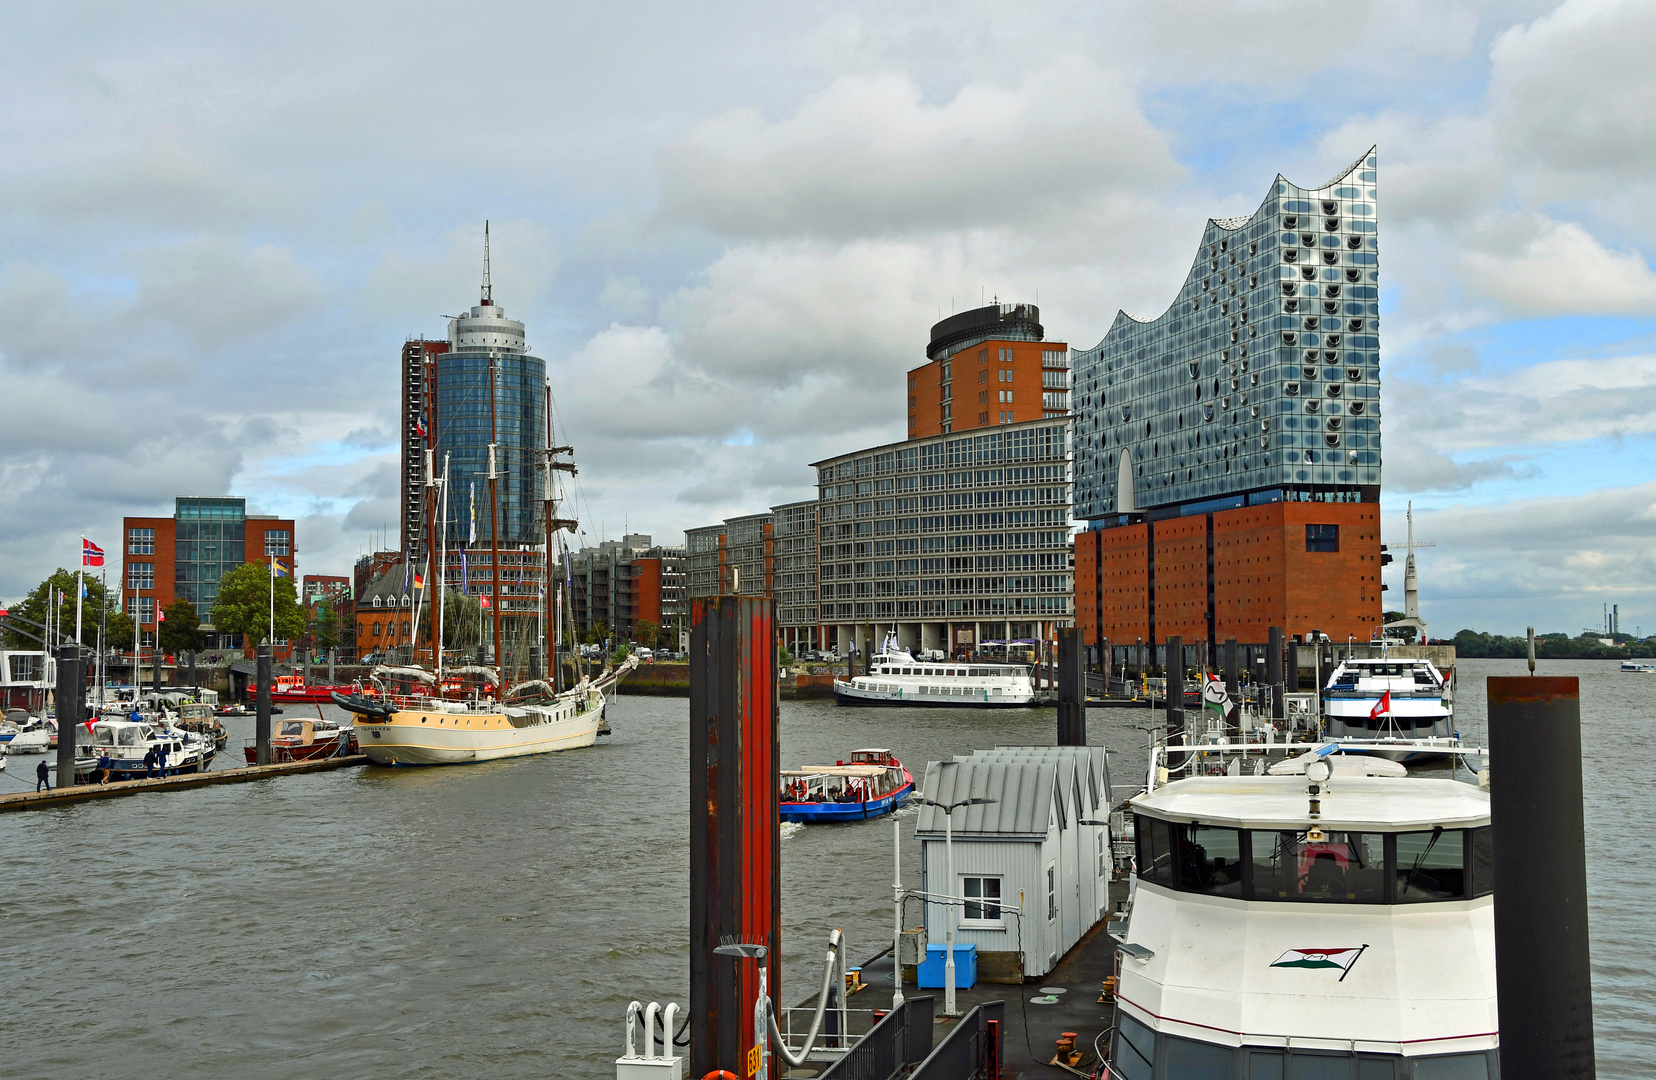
1302,566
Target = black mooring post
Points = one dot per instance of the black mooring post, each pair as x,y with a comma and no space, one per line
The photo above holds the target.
1273,671
71,699
261,728
1072,688
1540,878
1174,671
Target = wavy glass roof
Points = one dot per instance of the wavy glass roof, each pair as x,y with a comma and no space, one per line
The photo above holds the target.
1261,377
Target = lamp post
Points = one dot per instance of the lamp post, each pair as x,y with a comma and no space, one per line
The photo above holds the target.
949,912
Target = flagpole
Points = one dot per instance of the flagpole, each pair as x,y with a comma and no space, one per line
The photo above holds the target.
80,587
271,636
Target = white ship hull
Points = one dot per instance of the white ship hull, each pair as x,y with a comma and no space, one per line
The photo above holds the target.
440,737
875,691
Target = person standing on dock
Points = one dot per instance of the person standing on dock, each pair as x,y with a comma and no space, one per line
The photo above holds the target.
149,762
103,767
43,777
161,758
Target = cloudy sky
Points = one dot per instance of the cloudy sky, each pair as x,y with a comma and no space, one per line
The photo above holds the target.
729,228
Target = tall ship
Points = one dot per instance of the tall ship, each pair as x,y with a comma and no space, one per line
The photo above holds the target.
1398,708
895,677
472,712
1328,918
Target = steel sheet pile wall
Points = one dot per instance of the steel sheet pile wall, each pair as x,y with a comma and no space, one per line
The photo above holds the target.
735,836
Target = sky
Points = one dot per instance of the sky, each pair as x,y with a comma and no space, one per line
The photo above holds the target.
729,228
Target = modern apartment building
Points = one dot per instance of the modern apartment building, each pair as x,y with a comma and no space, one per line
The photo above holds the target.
619,583
951,540
1227,452
770,554
988,367
185,557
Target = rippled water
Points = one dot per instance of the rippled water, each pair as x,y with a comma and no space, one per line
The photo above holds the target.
495,919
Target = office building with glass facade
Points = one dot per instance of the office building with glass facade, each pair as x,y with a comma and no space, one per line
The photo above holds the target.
1227,452
771,554
184,557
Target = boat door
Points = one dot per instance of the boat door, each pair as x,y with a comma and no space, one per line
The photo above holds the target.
1052,914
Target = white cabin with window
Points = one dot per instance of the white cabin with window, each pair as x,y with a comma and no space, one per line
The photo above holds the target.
1033,878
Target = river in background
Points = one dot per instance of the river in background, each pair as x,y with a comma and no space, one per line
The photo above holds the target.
496,919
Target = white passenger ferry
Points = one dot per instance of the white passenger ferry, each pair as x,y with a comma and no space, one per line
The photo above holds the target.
1402,705
896,678
1328,923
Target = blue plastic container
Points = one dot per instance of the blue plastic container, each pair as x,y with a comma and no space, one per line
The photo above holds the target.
931,972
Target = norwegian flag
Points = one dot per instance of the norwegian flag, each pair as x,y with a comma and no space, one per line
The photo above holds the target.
1381,707
91,554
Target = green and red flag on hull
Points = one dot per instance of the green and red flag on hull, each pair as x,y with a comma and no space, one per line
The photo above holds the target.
1338,959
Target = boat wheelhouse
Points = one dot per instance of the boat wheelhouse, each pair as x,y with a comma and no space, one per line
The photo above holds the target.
895,677
1324,924
1391,700
870,784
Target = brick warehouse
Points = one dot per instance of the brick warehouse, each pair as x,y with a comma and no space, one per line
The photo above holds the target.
1227,452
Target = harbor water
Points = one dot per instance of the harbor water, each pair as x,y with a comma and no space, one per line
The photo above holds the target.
494,920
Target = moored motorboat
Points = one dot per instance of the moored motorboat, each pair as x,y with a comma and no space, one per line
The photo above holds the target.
869,784
1330,919
126,742
305,740
1397,708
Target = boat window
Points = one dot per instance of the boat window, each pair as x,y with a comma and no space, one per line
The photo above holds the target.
1155,852
293,727
1430,866
1210,859
1135,1048
1340,868
1264,1065
1483,861
1376,1068
129,736
1303,1066
1452,1067
1188,1059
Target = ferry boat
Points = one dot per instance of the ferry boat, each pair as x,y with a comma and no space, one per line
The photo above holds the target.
1400,708
1638,668
294,688
305,740
872,783
895,677
1326,923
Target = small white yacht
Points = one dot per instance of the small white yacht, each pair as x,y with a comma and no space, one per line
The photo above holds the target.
125,742
895,677
1402,705
1335,921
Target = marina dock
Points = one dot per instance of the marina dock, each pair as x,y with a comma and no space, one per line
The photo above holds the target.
40,800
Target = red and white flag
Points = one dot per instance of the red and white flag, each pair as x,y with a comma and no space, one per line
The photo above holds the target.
1381,707
485,601
91,554
160,616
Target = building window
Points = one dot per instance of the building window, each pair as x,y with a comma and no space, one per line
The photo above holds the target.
377,631
141,575
1322,538
278,542
982,901
140,541
141,609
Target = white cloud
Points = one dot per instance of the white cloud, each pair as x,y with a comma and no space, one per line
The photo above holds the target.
869,155
1534,266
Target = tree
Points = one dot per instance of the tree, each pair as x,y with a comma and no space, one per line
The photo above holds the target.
181,629
462,620
243,605
645,633
324,626
597,633
119,631
34,607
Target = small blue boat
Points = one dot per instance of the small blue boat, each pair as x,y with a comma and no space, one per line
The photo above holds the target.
870,784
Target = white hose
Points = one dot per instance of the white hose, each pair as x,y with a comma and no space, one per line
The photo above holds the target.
821,1008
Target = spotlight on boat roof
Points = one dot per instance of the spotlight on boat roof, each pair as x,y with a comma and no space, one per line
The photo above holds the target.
1319,771
1137,952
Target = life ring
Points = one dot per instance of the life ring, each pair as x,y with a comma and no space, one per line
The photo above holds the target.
721,1074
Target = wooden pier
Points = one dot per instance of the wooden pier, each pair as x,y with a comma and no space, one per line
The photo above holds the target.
40,800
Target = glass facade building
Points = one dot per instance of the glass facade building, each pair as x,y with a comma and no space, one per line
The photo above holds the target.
1261,382
462,409
211,542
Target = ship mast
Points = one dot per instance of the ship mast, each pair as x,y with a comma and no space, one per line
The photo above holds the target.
552,523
